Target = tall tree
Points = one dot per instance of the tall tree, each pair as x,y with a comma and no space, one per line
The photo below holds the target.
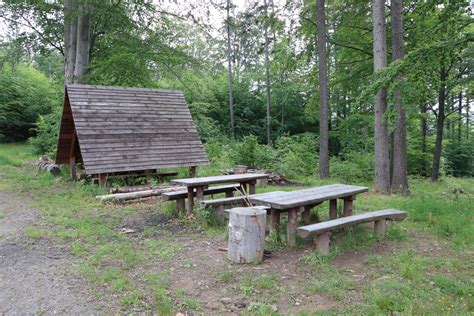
382,160
323,91
70,39
267,76
229,65
82,43
399,177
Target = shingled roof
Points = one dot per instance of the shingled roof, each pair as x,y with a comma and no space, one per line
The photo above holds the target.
116,129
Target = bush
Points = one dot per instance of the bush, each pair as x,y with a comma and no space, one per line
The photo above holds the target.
250,153
26,94
297,155
47,131
353,166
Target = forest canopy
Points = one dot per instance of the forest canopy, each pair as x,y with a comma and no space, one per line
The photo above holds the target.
267,52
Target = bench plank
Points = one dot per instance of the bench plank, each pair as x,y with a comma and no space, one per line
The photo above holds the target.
319,228
220,179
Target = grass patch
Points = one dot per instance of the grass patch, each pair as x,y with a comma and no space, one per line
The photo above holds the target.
34,233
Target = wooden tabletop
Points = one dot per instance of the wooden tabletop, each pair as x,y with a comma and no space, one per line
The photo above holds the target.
311,196
245,177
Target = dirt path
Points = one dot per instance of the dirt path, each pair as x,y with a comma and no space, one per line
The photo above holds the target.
35,276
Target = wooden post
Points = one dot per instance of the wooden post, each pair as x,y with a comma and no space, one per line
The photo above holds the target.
252,187
246,234
380,227
322,243
332,209
72,156
292,225
72,163
229,194
102,179
190,199
348,205
192,171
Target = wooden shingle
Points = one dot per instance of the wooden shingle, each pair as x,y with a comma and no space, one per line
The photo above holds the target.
127,129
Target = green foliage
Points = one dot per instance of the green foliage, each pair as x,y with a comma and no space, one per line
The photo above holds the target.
25,95
460,158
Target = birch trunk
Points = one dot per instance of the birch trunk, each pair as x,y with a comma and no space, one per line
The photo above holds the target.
323,92
399,178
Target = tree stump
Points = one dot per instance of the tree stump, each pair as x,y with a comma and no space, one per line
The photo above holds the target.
246,234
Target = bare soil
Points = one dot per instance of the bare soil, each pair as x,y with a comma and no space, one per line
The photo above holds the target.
35,276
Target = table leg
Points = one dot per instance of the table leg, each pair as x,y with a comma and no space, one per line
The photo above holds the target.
348,205
332,209
292,224
190,199
252,187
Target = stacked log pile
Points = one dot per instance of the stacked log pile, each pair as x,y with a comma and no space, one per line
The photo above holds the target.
45,163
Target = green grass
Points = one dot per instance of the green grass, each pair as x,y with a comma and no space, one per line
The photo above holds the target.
131,270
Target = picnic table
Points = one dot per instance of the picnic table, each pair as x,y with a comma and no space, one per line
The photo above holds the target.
200,184
301,201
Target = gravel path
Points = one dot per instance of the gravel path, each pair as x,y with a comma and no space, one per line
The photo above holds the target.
35,275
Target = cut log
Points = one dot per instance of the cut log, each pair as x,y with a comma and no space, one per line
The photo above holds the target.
246,234
120,197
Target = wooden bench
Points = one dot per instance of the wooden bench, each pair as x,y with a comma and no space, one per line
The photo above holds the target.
322,230
219,205
180,196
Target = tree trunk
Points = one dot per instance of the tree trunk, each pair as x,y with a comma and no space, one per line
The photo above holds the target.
323,92
229,64
382,161
439,125
424,131
460,117
83,44
468,113
70,39
399,178
267,77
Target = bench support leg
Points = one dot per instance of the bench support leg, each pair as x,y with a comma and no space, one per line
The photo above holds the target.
199,193
190,199
292,225
252,187
275,221
220,213
229,194
332,209
348,205
380,227
306,214
192,171
322,243
180,205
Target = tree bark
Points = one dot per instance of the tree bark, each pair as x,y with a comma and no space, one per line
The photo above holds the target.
399,178
460,117
382,160
439,125
468,113
70,39
229,65
323,92
83,44
424,132
267,78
